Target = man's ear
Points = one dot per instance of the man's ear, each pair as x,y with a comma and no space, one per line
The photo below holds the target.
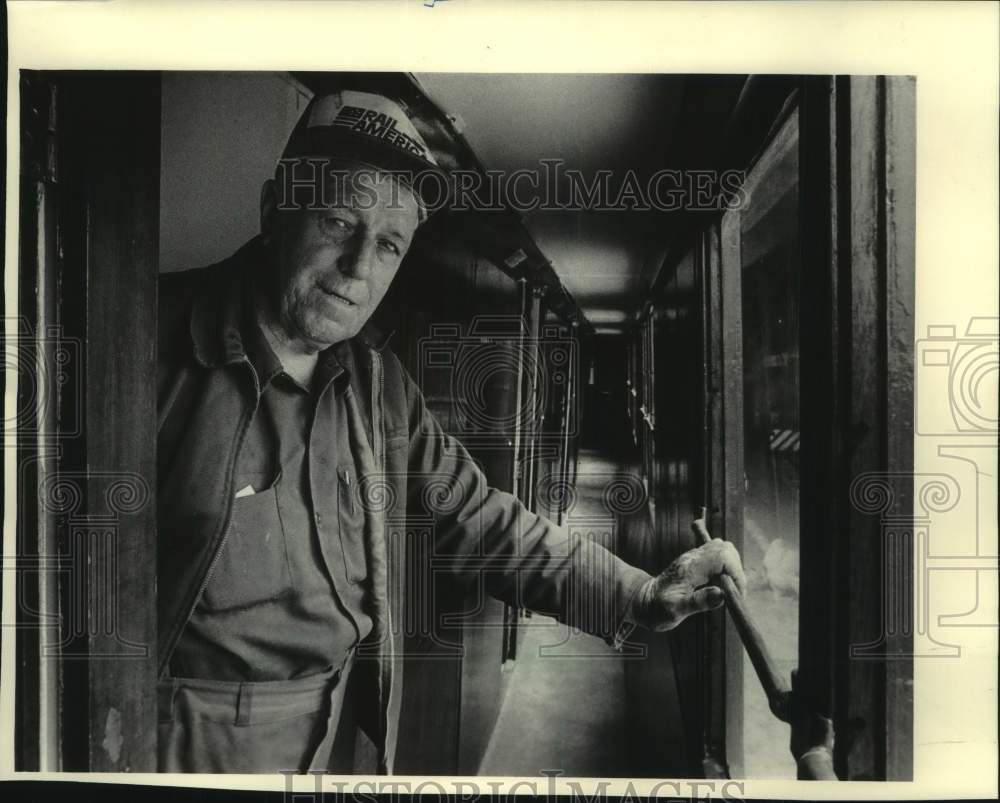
268,210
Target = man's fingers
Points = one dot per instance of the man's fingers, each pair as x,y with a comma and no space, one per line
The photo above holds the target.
715,557
733,566
674,596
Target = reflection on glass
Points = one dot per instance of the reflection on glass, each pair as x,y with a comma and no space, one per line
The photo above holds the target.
769,252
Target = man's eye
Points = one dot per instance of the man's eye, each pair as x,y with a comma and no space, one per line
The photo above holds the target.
335,226
391,247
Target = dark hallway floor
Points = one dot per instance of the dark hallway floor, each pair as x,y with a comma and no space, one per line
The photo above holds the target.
562,711
565,708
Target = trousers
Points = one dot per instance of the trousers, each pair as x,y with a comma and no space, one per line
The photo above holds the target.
285,726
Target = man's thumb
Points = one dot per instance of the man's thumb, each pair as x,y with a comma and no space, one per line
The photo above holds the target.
704,599
708,598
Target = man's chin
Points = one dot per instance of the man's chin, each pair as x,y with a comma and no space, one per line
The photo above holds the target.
326,333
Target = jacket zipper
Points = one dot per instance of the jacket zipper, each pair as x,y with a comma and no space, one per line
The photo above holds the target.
378,441
378,426
244,426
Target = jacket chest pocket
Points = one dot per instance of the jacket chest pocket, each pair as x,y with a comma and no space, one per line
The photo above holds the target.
352,524
252,566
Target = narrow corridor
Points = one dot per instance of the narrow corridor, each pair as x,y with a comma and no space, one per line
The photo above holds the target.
565,707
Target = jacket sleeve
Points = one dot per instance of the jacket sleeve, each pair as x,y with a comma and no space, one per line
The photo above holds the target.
524,559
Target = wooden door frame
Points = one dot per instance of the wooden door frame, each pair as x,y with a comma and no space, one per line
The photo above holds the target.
87,650
858,234
857,223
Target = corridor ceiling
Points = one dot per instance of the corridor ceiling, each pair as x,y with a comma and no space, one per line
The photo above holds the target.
605,259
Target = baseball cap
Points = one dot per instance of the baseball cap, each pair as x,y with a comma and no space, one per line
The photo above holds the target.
371,130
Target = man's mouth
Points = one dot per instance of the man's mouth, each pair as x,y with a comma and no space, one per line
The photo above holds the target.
339,297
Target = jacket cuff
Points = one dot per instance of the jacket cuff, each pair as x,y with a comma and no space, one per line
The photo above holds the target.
632,580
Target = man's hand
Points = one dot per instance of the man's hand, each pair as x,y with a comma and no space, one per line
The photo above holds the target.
669,598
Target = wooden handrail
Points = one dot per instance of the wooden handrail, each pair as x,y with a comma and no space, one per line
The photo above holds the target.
777,689
812,736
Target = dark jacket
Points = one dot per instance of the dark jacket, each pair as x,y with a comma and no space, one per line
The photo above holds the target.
411,472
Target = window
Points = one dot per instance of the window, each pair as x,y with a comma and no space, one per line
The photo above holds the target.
761,266
770,260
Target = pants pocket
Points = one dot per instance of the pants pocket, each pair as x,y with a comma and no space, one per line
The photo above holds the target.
195,744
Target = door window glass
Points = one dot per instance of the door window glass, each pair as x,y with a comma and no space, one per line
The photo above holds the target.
769,254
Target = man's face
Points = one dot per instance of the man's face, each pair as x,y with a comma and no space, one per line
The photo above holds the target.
332,266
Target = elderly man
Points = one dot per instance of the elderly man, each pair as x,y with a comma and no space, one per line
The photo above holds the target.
285,435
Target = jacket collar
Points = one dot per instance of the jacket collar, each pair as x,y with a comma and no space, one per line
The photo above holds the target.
217,310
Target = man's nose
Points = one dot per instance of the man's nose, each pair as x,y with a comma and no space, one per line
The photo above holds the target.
358,258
